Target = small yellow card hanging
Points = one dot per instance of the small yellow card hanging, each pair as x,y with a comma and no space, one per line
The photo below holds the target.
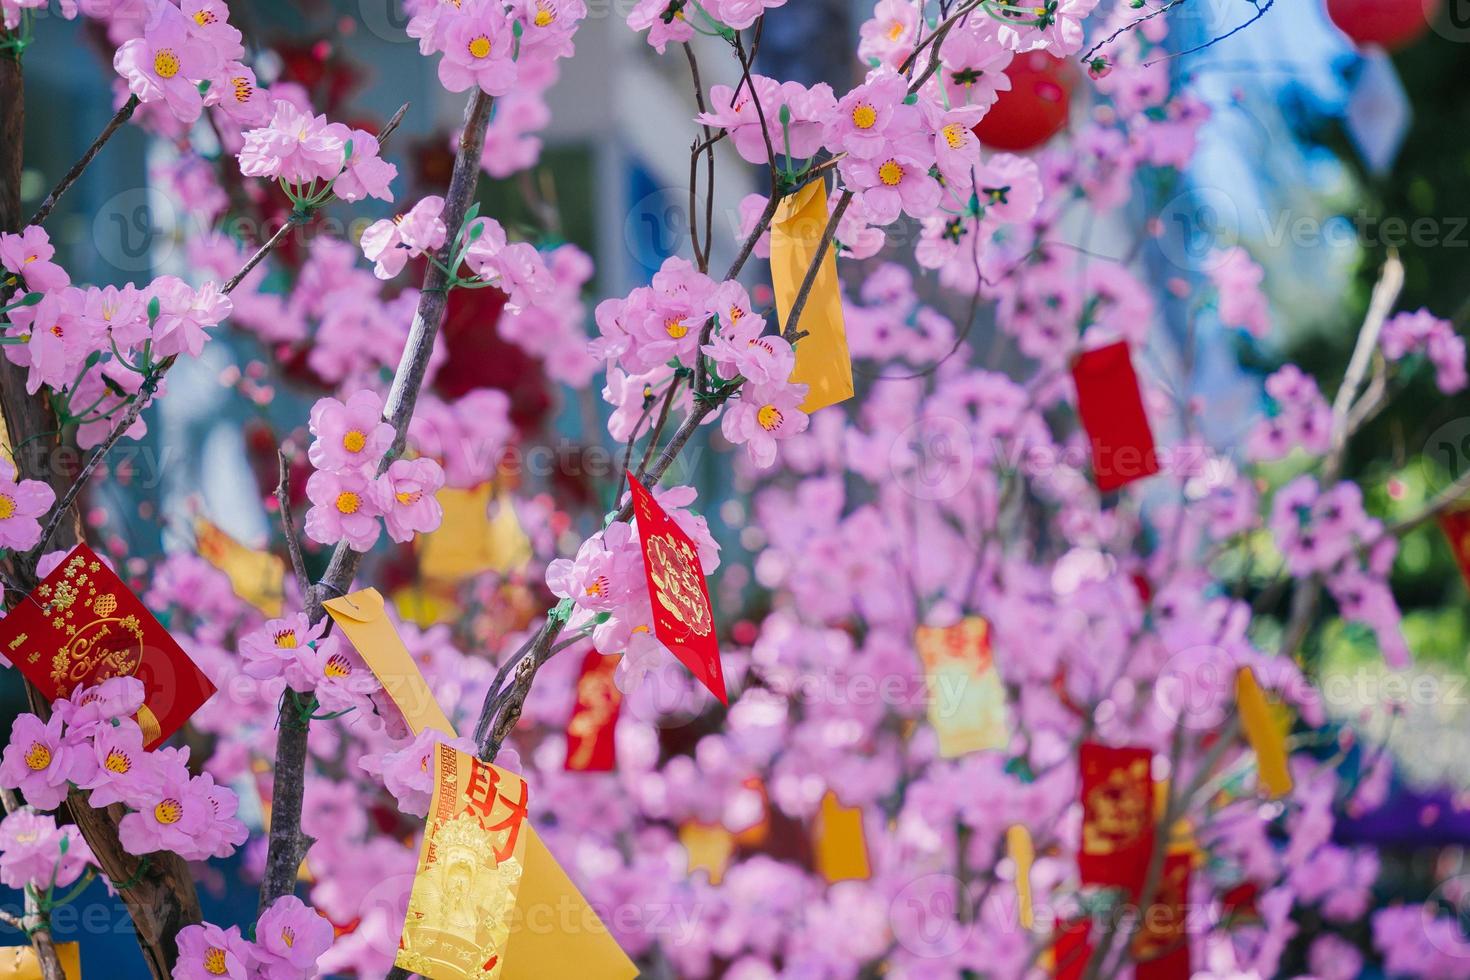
967,698
469,541
1023,855
363,618
840,848
822,359
1263,733
20,962
710,847
426,605
258,577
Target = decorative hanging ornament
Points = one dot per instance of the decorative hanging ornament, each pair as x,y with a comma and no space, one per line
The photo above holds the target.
1388,24
1036,107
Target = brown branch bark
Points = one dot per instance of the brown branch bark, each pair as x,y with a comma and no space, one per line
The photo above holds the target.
287,844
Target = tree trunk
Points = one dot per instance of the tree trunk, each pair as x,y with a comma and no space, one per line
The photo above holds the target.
160,895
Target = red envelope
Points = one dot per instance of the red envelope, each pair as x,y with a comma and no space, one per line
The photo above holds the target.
82,626
1117,816
1111,408
591,746
682,616
1456,527
1071,949
1161,947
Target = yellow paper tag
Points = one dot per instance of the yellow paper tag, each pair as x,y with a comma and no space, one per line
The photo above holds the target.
362,617
1023,854
258,577
840,847
20,962
967,699
822,359
710,847
555,933
1263,733
469,541
426,605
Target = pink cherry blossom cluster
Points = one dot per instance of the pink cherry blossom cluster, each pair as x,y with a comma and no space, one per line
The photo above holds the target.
22,505
607,587
348,494
38,855
292,653
1421,332
92,743
187,56
491,43
96,348
655,333
290,940
1298,417
302,149
678,21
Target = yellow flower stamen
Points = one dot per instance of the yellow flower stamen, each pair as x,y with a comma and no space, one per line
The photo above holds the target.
956,135
337,666
891,173
214,962
769,417
286,639
864,116
38,757
7,507
354,441
169,811
117,761
676,328
165,63
479,47
348,502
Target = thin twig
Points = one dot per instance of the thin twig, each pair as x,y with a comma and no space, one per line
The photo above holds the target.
150,384
287,843
74,174
288,524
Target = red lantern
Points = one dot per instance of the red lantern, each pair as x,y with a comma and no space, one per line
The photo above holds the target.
1388,24
1036,107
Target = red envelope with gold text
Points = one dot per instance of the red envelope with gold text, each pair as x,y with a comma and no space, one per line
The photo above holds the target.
1117,816
591,738
683,619
82,626
1111,407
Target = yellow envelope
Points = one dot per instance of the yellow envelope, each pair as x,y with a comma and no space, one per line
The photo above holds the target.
362,617
258,577
710,847
425,606
469,541
489,902
840,848
967,699
1263,733
1023,853
555,932
20,962
822,359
